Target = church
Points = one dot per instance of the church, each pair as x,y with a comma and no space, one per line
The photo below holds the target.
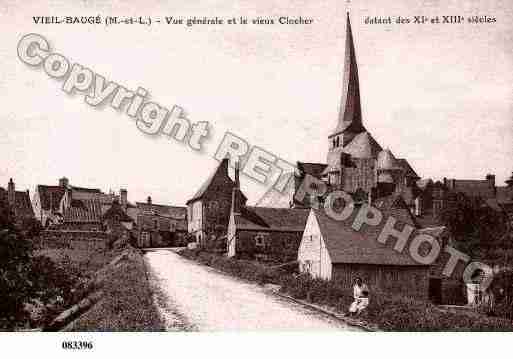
356,163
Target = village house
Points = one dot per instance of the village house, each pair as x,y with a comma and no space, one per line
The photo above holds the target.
115,221
19,202
159,225
208,211
72,207
263,233
333,250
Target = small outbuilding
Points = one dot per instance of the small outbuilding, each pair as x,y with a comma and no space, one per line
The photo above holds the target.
333,250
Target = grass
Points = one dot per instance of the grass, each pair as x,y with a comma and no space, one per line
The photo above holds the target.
127,303
385,311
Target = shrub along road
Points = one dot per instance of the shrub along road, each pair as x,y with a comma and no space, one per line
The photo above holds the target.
208,300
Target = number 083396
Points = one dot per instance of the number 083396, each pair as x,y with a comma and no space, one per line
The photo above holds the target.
77,345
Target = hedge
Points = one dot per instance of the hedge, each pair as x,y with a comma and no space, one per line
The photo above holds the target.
388,312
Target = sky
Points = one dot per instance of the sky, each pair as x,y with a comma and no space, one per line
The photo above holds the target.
440,95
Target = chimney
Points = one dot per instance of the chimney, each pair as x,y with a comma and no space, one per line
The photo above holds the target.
148,200
63,182
123,196
418,205
237,181
11,193
238,199
491,179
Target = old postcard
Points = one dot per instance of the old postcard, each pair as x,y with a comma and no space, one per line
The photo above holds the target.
333,167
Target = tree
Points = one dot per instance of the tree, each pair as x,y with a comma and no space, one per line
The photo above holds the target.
478,229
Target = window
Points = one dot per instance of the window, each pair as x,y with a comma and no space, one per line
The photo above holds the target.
156,224
260,239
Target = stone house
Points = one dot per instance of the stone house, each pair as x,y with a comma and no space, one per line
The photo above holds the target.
208,211
74,208
159,225
264,233
333,250
115,221
19,202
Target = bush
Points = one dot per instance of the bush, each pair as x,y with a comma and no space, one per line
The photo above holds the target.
390,312
244,269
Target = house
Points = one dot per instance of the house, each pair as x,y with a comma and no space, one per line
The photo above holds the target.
159,225
116,221
333,250
265,233
208,211
19,202
73,207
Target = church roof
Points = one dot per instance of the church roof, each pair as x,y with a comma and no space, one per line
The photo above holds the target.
363,145
408,169
350,112
387,161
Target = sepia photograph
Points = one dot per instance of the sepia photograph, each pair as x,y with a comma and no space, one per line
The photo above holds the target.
309,174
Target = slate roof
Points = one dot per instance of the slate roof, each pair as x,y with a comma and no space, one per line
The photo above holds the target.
176,213
83,211
350,112
50,196
271,219
346,245
221,170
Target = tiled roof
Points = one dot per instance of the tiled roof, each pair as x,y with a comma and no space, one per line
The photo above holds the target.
175,212
23,204
83,211
346,245
272,219
50,196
